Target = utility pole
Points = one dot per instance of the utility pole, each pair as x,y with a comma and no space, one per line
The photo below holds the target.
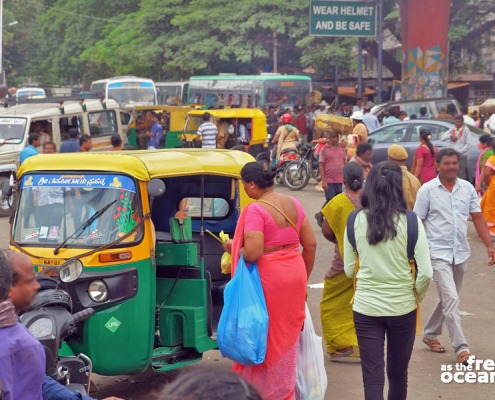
360,69
1,42
380,52
275,52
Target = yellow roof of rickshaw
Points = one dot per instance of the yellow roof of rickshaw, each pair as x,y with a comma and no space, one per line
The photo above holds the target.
143,164
231,113
165,107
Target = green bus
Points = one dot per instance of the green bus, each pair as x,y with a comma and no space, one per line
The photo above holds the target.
230,90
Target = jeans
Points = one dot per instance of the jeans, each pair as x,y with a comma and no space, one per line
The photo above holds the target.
333,190
400,332
448,279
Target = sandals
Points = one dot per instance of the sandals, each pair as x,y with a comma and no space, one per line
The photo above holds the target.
434,345
462,357
341,353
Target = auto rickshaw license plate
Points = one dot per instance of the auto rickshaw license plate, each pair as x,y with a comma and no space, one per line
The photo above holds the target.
49,262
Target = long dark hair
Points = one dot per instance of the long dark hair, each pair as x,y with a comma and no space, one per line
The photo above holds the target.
208,384
259,173
353,176
425,136
383,200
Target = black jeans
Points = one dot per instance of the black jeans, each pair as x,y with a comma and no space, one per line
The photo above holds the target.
333,190
400,332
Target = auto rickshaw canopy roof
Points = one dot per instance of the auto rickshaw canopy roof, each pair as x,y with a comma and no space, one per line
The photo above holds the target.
231,113
144,165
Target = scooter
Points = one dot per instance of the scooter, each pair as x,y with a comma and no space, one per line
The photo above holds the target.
51,321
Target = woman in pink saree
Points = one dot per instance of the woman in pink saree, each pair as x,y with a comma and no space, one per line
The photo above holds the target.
270,233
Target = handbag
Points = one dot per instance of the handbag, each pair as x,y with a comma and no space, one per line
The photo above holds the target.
311,377
243,327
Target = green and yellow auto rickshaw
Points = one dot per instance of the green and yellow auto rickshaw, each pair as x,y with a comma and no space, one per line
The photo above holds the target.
172,119
236,126
142,223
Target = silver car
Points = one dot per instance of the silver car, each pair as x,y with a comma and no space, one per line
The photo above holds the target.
406,133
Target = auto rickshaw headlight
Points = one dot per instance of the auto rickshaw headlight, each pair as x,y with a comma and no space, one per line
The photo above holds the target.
98,291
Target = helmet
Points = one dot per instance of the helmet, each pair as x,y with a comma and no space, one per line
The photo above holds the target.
286,118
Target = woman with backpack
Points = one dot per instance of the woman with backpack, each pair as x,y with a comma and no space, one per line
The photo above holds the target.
390,279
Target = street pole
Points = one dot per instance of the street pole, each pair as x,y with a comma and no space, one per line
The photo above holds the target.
380,51
1,41
275,52
360,69
336,86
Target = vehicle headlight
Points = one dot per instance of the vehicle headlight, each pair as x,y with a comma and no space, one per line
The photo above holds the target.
41,327
98,291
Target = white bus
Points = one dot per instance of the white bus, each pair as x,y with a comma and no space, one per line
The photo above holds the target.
126,90
172,93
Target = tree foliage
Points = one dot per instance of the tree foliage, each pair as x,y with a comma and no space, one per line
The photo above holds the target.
75,41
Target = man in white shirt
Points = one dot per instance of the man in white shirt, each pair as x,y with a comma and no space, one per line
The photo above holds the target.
444,204
207,133
457,138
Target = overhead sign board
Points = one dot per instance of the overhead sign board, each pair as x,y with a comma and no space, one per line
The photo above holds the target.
342,18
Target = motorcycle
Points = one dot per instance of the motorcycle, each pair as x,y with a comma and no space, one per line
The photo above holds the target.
51,321
286,156
297,173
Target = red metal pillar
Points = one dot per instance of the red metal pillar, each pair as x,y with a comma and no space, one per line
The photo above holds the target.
425,25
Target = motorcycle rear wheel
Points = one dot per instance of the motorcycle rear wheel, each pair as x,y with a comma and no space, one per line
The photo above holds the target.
296,175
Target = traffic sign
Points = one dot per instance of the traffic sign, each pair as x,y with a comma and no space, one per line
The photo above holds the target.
342,18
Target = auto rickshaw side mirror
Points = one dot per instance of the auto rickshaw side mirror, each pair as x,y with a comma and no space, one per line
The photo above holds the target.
156,188
70,270
6,189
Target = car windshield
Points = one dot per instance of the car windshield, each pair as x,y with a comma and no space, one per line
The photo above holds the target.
56,207
12,130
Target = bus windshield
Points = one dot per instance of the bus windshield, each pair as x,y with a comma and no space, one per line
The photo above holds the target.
87,210
127,91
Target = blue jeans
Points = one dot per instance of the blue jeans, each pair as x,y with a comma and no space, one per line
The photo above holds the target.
333,190
400,332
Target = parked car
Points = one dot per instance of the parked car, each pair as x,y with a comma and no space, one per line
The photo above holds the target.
406,133
433,107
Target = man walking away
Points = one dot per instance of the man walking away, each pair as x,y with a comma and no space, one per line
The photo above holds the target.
410,184
71,145
207,133
423,113
370,120
457,138
444,204
331,162
85,143
155,134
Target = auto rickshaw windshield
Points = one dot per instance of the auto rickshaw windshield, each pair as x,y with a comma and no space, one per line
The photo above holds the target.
87,210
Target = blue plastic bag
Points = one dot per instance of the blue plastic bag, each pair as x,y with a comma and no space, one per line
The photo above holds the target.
243,326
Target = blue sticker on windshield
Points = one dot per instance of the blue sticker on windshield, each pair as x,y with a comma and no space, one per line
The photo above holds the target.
71,181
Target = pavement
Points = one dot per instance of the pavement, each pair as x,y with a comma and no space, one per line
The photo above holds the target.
344,377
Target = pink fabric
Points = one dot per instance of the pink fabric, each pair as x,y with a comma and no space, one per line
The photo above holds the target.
284,278
259,219
428,170
333,159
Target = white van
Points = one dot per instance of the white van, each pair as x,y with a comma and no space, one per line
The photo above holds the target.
99,119
30,93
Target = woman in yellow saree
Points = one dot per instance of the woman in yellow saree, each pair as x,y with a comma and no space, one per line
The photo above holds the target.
488,200
335,307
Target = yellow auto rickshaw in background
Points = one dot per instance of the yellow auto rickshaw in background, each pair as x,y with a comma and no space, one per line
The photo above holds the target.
236,126
172,119
143,224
